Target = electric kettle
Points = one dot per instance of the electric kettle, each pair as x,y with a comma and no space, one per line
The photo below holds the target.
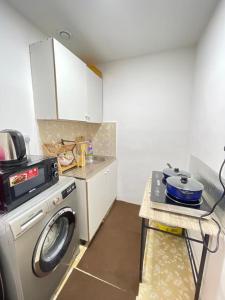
12,148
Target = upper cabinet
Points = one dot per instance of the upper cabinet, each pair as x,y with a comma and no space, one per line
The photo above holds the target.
43,80
94,97
70,73
63,87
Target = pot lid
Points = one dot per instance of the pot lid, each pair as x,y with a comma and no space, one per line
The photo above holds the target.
175,172
185,183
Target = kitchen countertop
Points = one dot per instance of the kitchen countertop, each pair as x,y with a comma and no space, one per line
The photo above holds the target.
91,168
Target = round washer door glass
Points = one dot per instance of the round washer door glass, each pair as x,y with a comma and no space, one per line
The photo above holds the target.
53,242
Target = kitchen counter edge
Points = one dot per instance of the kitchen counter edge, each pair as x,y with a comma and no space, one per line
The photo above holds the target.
91,169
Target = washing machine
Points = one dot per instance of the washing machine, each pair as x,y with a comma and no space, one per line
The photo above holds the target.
38,240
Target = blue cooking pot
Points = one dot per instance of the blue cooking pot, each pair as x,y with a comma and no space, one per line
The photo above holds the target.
184,189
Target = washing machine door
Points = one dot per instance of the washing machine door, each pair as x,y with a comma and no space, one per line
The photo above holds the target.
54,242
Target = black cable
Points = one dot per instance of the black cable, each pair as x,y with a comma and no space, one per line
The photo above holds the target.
212,210
2,295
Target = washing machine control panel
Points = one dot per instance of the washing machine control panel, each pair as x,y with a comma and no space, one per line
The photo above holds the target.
68,190
57,201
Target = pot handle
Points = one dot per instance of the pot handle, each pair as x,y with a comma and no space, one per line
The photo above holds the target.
184,179
169,165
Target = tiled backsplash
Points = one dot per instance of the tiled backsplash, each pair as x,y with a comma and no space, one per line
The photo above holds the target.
102,135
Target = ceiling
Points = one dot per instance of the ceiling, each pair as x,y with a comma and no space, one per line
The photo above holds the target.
106,30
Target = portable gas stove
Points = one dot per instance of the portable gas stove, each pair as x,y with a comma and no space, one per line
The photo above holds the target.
162,201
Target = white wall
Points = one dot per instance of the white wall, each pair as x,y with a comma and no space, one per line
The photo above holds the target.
208,117
208,127
16,98
150,98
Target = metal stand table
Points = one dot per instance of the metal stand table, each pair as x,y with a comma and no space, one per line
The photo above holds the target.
187,223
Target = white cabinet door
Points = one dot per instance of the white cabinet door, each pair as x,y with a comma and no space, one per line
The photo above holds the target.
97,191
82,213
112,183
70,74
63,86
94,97
43,80
101,191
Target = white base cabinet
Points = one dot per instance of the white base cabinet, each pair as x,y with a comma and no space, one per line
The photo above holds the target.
82,215
95,197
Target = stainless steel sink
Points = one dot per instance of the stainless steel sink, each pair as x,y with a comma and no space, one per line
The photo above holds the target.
96,160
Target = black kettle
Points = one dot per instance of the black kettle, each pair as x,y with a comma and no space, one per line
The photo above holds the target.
12,148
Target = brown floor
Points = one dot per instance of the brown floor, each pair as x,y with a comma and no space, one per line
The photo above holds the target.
113,256
81,286
114,253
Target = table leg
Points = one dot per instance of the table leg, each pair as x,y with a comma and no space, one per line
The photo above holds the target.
142,250
201,267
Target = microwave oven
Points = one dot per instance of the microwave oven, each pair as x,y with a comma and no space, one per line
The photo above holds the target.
19,184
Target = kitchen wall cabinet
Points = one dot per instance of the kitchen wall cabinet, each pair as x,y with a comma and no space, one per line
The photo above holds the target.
59,82
70,74
63,86
43,79
94,97
95,197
